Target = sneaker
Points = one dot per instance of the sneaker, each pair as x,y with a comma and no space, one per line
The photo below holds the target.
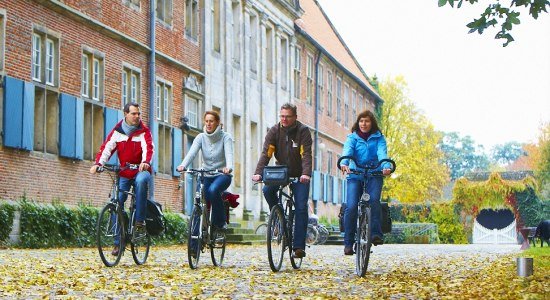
377,240
299,253
139,229
115,251
348,250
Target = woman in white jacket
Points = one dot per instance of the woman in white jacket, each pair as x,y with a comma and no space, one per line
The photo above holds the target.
217,153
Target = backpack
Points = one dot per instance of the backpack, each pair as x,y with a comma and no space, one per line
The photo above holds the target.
155,222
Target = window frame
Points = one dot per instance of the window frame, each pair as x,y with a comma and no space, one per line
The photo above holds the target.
163,100
167,11
329,92
92,78
297,67
309,79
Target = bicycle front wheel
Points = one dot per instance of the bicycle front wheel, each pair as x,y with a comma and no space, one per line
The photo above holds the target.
140,243
109,235
363,241
312,235
217,247
295,262
261,229
194,238
323,235
276,240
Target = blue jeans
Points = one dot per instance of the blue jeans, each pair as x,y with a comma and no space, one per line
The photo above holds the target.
301,193
140,183
354,192
213,189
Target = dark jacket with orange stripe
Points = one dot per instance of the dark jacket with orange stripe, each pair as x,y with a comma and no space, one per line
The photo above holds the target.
134,149
291,146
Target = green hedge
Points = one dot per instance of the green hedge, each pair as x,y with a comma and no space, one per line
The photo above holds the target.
46,226
7,212
412,233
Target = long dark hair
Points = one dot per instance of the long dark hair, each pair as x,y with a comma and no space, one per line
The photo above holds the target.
366,114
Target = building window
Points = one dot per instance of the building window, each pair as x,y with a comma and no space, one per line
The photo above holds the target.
45,59
131,85
321,85
346,105
163,97
329,93
338,99
192,19
135,4
254,149
216,21
236,16
309,76
164,11
165,149
46,120
297,72
93,128
269,53
2,40
253,43
353,105
192,112
284,63
361,105
329,162
238,164
92,79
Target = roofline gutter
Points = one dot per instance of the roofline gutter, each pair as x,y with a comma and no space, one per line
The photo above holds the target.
338,64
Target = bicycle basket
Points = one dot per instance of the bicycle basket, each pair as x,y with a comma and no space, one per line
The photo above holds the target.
275,175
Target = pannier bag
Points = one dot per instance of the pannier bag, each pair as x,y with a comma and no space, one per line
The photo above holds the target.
275,175
154,222
385,218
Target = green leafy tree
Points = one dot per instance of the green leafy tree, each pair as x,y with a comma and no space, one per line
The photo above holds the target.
412,143
462,155
504,15
543,163
507,153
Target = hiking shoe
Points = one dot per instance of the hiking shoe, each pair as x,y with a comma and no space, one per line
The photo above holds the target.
299,253
139,230
348,250
377,240
115,251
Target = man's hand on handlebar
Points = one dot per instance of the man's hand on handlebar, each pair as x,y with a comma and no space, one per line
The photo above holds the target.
93,169
305,179
144,166
256,178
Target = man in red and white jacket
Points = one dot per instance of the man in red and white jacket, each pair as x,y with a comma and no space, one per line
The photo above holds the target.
133,142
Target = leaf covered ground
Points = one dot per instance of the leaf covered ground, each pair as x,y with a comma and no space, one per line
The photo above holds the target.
395,272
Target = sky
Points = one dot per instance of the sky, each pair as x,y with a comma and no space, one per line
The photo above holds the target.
462,82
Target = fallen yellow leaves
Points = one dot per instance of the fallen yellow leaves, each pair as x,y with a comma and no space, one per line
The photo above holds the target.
325,274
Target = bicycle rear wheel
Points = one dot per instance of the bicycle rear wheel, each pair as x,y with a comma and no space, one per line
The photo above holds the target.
261,229
276,241
217,244
323,235
363,241
295,262
110,235
312,235
194,238
140,243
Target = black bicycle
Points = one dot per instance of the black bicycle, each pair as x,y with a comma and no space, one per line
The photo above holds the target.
116,228
363,235
280,228
201,230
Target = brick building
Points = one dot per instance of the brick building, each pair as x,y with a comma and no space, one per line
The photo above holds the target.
68,67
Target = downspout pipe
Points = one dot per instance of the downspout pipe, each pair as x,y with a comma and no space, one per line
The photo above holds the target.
152,122
317,111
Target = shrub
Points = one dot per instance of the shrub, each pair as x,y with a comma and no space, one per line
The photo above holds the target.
175,232
450,229
7,212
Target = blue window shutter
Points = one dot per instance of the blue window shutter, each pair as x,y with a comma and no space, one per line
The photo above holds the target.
176,150
27,142
325,187
79,131
189,193
111,119
67,126
343,183
316,185
13,107
154,127
335,190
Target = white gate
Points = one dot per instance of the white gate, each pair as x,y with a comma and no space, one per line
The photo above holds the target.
507,235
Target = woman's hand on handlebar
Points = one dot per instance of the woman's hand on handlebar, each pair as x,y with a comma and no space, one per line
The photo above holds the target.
345,169
386,172
227,170
180,169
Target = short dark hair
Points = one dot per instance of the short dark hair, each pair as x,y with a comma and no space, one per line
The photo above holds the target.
127,106
291,107
366,114
213,113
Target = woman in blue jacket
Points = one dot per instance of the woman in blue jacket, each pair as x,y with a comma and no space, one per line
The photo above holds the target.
368,146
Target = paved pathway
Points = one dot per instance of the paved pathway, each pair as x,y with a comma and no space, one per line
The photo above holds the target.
395,271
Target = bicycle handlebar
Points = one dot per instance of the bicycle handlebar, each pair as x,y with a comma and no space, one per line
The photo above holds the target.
367,168
203,171
117,168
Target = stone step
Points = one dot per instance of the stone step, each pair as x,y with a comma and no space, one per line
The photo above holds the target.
244,237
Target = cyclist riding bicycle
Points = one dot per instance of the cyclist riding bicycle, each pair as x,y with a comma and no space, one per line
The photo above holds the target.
133,142
290,141
217,153
368,146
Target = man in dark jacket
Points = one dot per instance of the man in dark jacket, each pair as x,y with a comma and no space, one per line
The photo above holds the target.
290,141
133,142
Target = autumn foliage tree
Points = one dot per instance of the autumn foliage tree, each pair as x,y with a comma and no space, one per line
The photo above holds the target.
412,143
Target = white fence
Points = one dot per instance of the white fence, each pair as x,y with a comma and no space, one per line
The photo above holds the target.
507,235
